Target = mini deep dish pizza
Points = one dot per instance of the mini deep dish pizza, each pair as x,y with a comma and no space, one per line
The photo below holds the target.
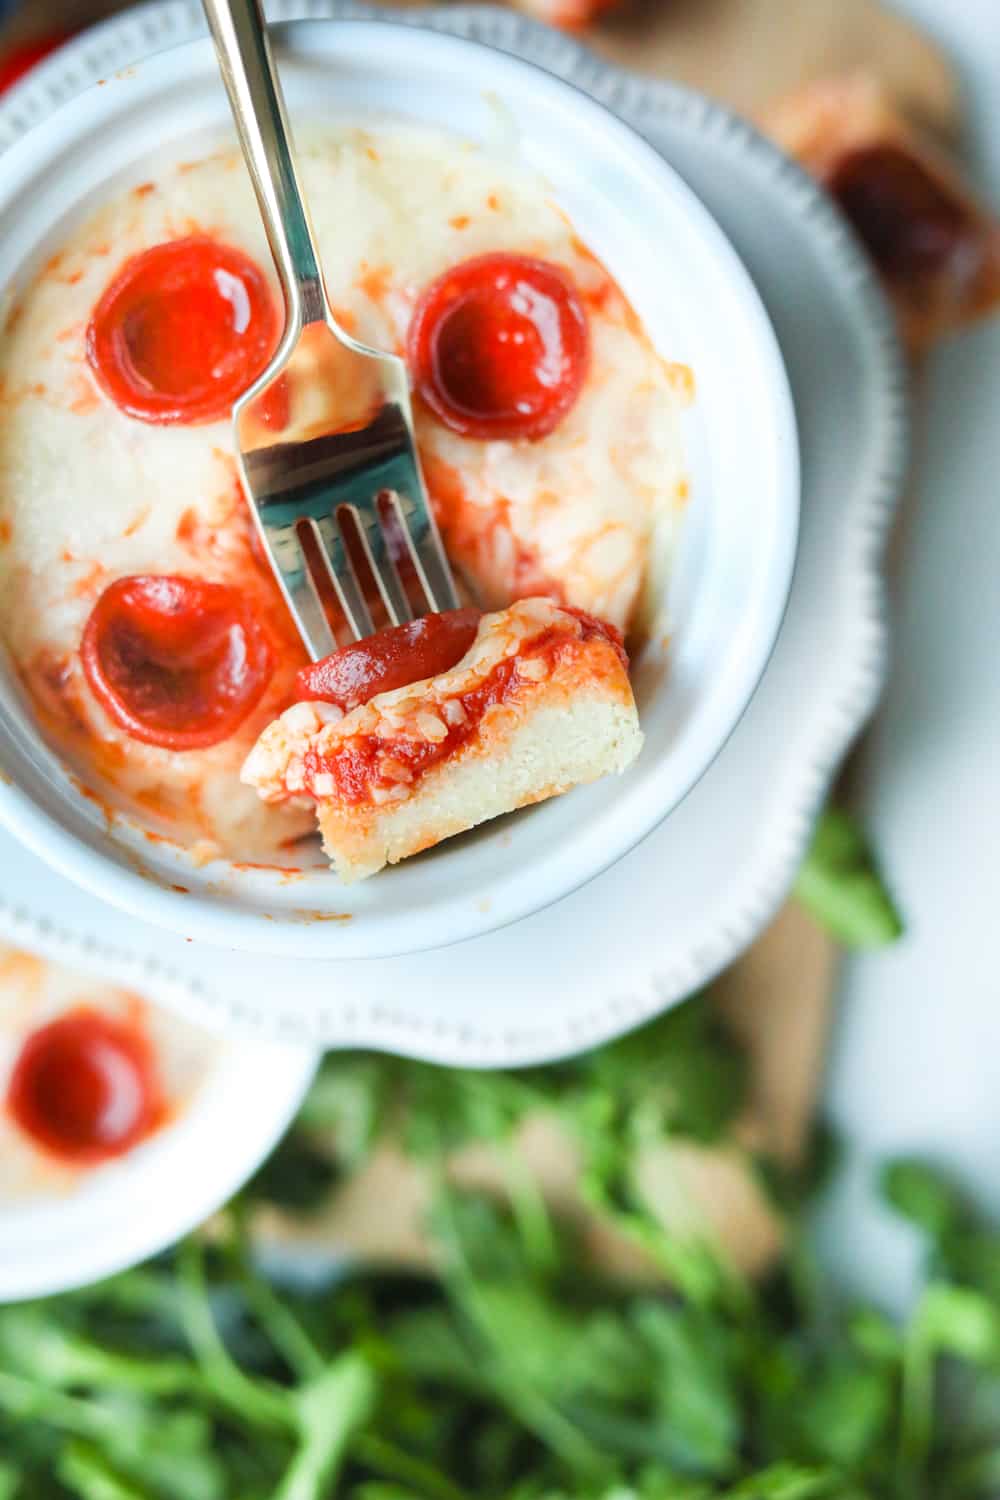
935,246
88,1073
539,703
139,612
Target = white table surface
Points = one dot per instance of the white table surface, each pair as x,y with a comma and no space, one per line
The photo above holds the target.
915,1065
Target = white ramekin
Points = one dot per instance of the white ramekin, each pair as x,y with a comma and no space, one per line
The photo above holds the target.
734,568
116,1215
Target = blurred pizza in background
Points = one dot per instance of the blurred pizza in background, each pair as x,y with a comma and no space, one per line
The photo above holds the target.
572,15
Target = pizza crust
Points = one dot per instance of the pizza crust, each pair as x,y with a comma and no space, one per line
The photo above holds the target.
560,713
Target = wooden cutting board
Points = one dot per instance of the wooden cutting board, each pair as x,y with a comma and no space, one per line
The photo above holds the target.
745,53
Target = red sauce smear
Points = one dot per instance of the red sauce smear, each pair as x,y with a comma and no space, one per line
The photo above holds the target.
360,763
85,1088
499,347
182,331
20,60
391,658
908,221
273,407
175,662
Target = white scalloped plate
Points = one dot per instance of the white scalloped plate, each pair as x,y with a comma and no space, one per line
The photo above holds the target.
730,574
685,902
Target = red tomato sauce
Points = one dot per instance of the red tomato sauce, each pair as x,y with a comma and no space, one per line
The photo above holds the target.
368,761
499,347
85,1088
389,659
595,629
182,330
20,60
273,407
175,662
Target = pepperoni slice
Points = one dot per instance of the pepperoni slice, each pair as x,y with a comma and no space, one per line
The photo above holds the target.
499,346
85,1088
908,221
174,661
182,331
391,658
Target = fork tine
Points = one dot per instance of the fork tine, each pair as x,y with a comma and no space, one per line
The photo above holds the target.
426,552
349,500
414,511
379,559
392,511
343,577
400,553
297,585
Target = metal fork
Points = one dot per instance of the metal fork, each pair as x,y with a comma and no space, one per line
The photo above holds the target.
336,490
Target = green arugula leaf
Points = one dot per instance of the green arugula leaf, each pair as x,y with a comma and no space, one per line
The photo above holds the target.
957,1320
88,1474
329,1411
921,1194
790,1482
351,1099
846,1414
516,1371
694,1377
378,1489
840,885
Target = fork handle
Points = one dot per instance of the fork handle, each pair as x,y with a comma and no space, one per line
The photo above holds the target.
248,71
